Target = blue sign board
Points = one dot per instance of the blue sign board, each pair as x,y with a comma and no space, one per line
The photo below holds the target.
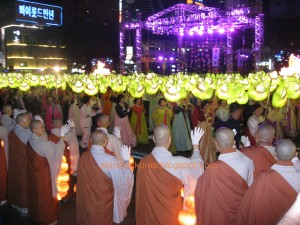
43,14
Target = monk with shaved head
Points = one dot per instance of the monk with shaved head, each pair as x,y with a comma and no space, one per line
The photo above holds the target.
263,153
17,166
43,165
104,185
160,177
274,191
222,186
114,140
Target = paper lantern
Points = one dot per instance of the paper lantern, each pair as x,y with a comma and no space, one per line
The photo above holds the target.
279,97
131,163
187,217
225,91
64,167
63,177
63,187
293,90
78,87
258,92
34,80
202,91
90,89
190,202
24,86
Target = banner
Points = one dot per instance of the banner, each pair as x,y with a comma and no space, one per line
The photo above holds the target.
215,57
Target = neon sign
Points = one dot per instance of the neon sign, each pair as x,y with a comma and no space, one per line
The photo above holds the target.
33,12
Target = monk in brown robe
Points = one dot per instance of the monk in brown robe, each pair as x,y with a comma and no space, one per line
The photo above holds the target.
161,176
273,192
221,188
17,166
3,175
43,166
104,186
263,153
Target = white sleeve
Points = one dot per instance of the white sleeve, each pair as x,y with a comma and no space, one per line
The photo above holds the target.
252,125
188,171
122,178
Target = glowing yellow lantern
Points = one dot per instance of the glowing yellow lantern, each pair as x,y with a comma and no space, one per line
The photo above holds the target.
187,217
90,89
190,202
258,92
63,179
279,97
24,86
78,87
293,90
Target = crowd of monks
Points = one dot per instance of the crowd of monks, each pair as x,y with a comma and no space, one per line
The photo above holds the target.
250,183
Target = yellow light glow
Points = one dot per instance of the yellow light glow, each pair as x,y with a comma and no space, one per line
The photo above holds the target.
20,57
42,46
53,58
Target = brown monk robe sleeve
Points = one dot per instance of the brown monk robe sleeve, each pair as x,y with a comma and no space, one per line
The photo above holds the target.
95,193
261,157
218,194
158,198
3,173
17,171
42,207
267,200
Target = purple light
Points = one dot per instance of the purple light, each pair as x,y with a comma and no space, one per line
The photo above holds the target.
181,34
171,58
222,30
210,31
200,32
191,33
160,58
231,29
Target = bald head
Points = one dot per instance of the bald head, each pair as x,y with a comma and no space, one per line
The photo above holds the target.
265,133
37,127
162,136
99,137
285,150
224,138
6,109
56,123
103,121
24,120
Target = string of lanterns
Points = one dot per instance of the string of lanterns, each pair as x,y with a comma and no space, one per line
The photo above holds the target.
231,87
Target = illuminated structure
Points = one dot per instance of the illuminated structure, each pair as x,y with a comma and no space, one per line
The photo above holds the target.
29,43
187,20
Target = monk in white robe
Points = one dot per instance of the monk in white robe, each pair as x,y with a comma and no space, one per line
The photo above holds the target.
17,176
274,191
221,188
104,186
161,176
43,165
